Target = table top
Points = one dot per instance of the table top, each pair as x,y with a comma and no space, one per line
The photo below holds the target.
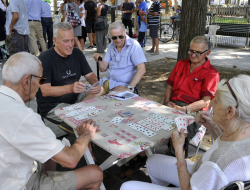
117,138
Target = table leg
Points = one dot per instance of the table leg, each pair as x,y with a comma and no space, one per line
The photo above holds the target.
125,160
148,152
89,159
109,162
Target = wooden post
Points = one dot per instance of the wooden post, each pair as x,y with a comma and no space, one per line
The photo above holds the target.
55,6
167,7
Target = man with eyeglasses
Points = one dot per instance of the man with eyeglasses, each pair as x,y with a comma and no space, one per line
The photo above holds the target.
193,82
29,149
123,62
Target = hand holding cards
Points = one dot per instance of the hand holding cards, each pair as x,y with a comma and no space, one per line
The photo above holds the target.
181,123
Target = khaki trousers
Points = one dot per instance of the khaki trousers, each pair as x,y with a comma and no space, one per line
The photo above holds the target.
36,29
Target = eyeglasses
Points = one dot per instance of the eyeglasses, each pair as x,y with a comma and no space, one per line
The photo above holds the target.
42,79
197,53
115,37
232,92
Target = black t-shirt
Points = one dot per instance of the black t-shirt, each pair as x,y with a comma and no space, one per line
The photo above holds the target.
61,71
91,12
127,7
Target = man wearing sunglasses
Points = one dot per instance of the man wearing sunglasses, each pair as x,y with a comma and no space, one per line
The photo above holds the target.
193,82
26,142
124,61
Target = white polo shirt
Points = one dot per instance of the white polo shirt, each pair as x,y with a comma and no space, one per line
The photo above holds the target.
23,139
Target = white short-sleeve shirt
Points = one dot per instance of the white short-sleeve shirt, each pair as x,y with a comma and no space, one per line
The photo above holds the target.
24,138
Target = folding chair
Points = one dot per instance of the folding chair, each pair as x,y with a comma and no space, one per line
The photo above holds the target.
212,33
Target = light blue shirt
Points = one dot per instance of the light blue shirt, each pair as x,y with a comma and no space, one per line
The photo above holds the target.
22,25
143,7
123,65
34,9
45,10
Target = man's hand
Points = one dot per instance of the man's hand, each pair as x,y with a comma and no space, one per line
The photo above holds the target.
87,129
12,29
96,55
96,89
78,87
205,119
147,10
120,89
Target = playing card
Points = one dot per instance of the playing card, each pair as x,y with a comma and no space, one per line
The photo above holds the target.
80,117
153,127
88,87
82,110
168,127
128,95
181,123
149,133
116,120
127,113
73,107
167,120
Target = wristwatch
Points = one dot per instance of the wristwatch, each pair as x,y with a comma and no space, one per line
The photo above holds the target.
129,87
188,110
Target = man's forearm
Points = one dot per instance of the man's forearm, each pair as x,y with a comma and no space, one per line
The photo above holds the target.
168,94
14,19
56,91
198,105
139,74
103,66
91,78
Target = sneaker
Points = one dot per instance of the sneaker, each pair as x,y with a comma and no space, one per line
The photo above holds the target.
150,51
90,47
94,45
155,53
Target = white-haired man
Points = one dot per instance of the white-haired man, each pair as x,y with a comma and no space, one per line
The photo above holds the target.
26,142
63,66
124,61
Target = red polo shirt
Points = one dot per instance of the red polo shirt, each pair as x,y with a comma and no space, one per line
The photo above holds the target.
192,87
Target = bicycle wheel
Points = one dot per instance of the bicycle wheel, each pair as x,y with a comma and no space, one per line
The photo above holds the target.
176,34
165,32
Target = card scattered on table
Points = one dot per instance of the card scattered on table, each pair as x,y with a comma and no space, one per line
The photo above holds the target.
116,120
89,114
125,95
80,111
126,113
141,129
73,107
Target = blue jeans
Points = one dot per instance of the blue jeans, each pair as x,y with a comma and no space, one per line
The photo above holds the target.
143,43
47,24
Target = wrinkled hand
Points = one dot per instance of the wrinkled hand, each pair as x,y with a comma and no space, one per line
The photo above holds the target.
96,89
96,55
178,139
12,28
171,105
78,87
120,89
205,119
87,129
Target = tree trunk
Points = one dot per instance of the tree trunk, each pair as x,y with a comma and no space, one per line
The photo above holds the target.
238,3
167,7
175,4
226,2
193,21
55,6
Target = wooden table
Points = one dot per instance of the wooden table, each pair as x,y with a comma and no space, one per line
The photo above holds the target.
129,142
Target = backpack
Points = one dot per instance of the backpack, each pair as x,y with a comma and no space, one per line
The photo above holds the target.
72,16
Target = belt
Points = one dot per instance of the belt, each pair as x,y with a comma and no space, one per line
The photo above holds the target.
35,20
46,17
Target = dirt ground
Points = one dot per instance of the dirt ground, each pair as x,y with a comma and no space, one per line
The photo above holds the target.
153,84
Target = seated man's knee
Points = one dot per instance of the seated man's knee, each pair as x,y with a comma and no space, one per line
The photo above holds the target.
96,172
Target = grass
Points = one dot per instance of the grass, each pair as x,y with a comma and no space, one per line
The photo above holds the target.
231,20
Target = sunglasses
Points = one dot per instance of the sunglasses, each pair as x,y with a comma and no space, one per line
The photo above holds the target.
42,79
197,53
232,92
115,37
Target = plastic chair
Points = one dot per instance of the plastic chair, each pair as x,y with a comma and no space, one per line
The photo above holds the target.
237,185
212,33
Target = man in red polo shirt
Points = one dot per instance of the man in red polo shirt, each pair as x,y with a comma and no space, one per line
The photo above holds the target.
193,82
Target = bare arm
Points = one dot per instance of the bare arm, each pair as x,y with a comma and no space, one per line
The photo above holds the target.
86,12
152,13
14,21
205,119
70,156
168,95
141,70
91,78
99,10
55,91
121,7
178,140
195,106
64,16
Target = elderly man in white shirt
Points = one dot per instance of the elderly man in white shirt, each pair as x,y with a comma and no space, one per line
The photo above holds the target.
26,142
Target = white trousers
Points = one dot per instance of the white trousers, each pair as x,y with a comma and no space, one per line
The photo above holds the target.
162,171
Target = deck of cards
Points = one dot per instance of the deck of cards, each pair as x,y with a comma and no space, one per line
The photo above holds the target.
126,113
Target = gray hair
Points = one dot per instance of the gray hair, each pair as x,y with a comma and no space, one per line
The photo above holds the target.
61,26
201,39
116,25
20,65
241,88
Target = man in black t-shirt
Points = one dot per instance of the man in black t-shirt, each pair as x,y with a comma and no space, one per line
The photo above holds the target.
63,65
90,18
128,8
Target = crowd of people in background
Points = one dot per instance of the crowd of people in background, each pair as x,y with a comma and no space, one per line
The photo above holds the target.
30,24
